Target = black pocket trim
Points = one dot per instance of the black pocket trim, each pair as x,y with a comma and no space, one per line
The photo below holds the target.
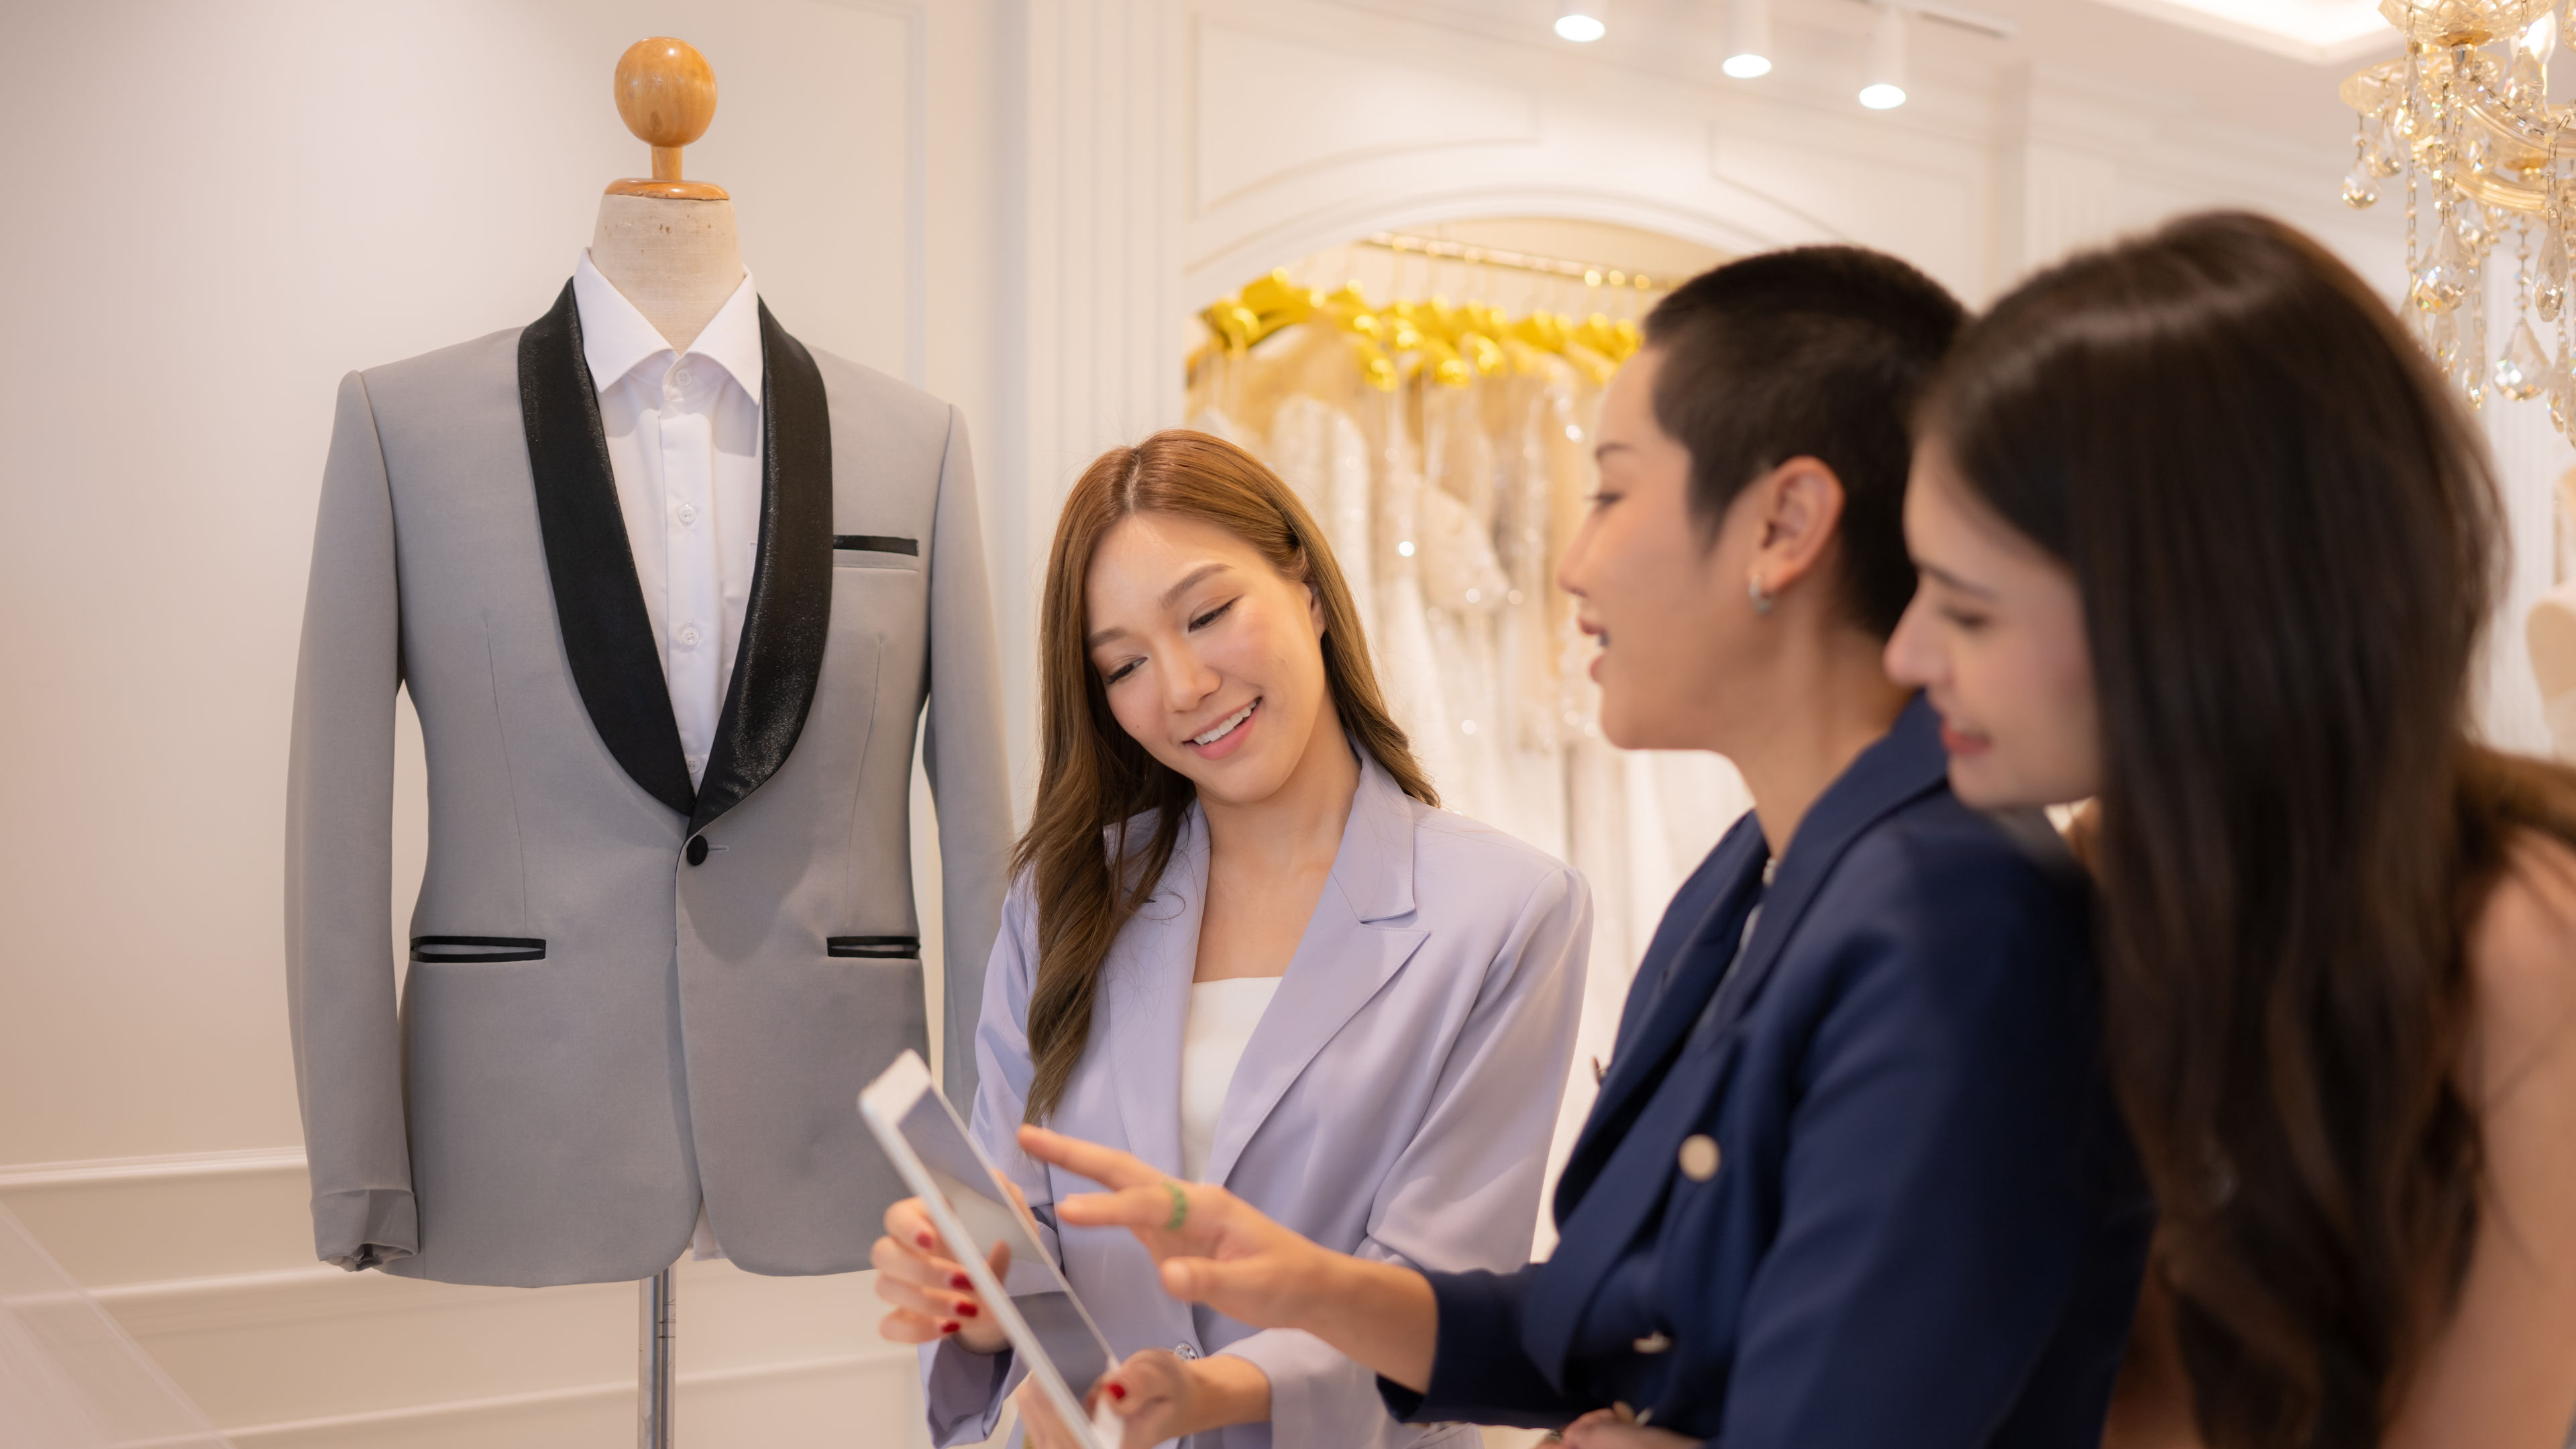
880,948
477,948
877,543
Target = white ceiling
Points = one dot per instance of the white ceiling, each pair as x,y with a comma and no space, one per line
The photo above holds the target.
2318,31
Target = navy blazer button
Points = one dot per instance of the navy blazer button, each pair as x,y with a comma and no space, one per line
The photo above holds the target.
1699,1157
697,850
1653,1343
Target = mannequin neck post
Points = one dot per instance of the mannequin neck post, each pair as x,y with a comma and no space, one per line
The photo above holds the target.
677,261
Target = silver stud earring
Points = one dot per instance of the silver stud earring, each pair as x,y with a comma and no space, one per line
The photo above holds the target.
1761,597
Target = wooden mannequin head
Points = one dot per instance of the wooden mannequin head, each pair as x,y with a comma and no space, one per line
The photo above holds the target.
666,92
668,245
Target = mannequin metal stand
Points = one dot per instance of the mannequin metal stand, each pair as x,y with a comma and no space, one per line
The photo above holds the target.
668,246
657,1365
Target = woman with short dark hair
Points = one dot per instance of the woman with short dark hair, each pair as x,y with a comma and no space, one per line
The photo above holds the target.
2204,539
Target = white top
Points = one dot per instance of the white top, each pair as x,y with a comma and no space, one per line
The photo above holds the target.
1222,1016
684,445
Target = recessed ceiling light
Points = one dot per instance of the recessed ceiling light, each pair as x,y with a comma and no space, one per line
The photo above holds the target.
1582,21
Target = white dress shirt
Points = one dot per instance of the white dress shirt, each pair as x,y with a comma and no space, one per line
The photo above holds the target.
684,443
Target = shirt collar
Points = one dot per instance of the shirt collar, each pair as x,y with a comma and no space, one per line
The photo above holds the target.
615,338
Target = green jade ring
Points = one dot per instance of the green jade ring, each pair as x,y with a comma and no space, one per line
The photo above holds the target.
1180,1206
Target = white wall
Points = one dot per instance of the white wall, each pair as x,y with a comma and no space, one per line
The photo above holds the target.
215,211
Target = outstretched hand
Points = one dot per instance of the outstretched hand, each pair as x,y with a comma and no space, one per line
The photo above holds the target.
1213,1247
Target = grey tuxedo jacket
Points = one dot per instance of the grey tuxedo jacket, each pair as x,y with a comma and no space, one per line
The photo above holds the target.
625,992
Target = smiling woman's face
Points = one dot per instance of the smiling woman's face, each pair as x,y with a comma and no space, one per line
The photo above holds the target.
1995,638
1212,659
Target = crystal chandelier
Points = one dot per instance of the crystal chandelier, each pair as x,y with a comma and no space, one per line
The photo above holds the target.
2465,114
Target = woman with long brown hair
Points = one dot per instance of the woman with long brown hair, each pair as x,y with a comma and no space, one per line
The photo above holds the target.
2203,538
1245,944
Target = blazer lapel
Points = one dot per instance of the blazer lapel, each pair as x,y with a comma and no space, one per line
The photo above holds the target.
599,606
1147,986
779,660
1347,954
1701,929
1905,763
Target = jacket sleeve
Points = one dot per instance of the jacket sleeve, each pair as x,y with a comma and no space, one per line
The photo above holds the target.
1934,1177
964,1390
1480,1371
339,861
1465,1192
964,756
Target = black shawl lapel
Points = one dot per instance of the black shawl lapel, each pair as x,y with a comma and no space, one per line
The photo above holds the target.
599,605
779,660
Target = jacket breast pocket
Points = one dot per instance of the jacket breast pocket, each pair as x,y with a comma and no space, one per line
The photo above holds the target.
873,948
477,948
875,551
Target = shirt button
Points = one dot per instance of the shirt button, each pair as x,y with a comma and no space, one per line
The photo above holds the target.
683,379
1699,1157
689,637
688,515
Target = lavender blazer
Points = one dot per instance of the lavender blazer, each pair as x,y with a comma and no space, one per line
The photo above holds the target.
1395,1101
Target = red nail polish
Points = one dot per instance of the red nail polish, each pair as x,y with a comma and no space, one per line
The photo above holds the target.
967,1310
1117,1390
924,1240
960,1282
949,1327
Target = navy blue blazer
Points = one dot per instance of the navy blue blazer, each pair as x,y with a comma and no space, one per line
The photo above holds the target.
1867,1188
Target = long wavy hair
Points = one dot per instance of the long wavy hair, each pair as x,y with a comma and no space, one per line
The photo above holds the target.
1096,784
2286,537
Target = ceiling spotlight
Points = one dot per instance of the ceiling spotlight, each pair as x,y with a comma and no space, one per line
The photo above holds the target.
1583,21
1748,38
1883,87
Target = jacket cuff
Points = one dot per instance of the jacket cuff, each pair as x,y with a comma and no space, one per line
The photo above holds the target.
1480,1373
962,1391
1318,1396
365,1227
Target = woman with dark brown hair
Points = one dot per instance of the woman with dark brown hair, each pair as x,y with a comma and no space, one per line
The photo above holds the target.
2204,539
1245,945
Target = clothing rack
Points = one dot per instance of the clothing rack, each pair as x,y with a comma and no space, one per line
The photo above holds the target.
1590,274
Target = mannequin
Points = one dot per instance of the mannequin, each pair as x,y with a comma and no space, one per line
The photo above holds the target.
669,246
669,661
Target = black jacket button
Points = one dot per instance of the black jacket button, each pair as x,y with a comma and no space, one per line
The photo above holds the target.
697,850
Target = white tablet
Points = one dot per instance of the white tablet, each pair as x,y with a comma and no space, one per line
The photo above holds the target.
970,1201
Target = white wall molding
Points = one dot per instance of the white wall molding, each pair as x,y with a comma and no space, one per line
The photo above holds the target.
244,1162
